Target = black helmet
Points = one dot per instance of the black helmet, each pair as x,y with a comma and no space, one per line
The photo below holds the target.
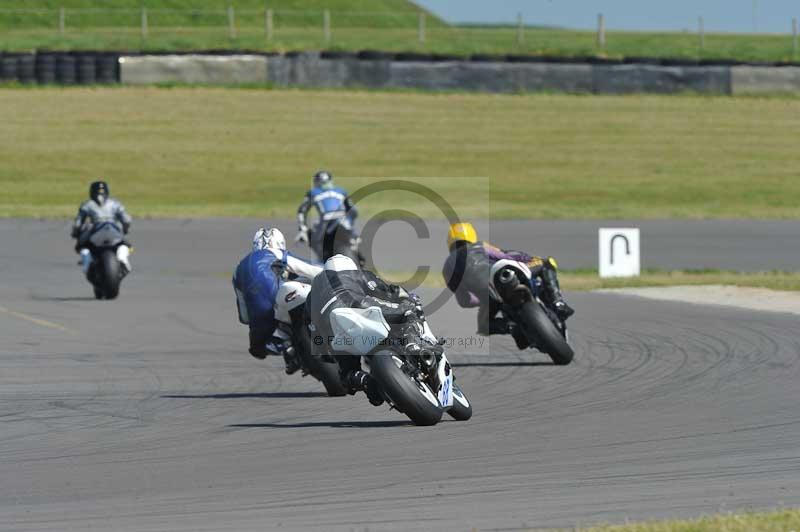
323,179
98,191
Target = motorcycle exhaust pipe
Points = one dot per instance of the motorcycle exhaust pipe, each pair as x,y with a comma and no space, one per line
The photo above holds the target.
508,278
428,358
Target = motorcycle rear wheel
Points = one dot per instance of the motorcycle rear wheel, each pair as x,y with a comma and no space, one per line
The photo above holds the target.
404,392
543,333
325,372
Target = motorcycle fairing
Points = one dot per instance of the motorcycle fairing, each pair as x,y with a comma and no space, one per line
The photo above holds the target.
358,331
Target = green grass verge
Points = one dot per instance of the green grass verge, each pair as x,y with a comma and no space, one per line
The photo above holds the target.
773,280
778,521
584,280
218,152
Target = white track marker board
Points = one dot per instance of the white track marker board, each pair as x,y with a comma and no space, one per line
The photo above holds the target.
619,252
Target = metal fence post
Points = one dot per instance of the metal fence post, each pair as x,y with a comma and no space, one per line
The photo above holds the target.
701,31
62,20
520,30
326,25
144,23
601,31
421,29
268,24
794,39
231,22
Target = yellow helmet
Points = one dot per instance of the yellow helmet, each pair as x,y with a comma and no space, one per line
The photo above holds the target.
461,232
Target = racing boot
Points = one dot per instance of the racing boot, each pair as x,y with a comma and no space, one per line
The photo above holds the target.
550,280
360,380
85,261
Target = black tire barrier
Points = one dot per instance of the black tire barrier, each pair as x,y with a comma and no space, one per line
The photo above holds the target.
486,58
46,69
441,58
107,68
413,56
335,54
375,55
87,69
8,68
65,69
26,68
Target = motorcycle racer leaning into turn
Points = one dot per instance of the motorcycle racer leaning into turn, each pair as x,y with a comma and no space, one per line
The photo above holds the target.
331,202
466,272
100,207
256,281
342,285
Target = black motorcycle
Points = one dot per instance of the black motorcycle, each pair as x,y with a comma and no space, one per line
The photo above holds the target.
105,272
336,237
519,295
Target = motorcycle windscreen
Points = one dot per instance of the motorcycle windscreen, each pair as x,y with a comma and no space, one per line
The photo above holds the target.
358,331
105,234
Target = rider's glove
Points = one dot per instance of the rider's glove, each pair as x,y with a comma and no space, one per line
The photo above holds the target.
302,235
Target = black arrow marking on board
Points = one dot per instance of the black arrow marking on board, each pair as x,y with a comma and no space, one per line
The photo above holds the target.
627,245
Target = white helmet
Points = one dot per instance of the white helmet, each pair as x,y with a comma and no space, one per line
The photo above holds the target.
269,239
340,263
323,179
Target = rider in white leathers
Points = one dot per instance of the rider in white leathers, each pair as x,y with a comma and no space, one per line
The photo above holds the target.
100,207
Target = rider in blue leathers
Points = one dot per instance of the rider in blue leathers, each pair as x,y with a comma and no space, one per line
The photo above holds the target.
332,203
256,282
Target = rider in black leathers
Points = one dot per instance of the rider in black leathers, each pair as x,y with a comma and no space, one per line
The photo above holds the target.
342,285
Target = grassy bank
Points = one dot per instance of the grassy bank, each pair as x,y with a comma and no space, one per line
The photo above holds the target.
390,25
218,152
779,521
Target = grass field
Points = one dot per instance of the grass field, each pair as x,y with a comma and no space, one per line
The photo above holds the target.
222,152
778,521
389,25
581,281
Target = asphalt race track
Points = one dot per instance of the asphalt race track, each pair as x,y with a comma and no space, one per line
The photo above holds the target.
147,413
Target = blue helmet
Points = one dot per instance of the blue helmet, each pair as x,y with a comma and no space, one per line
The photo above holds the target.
323,179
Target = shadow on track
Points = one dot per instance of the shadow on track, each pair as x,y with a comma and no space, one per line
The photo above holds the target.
61,299
331,424
259,395
499,364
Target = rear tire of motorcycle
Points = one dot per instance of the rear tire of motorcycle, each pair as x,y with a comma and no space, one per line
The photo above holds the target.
459,411
325,372
403,391
541,331
329,375
111,274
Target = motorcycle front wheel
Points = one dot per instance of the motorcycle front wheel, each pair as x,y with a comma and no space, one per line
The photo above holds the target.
110,275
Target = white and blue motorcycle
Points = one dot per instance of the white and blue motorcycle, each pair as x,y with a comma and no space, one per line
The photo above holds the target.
408,362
